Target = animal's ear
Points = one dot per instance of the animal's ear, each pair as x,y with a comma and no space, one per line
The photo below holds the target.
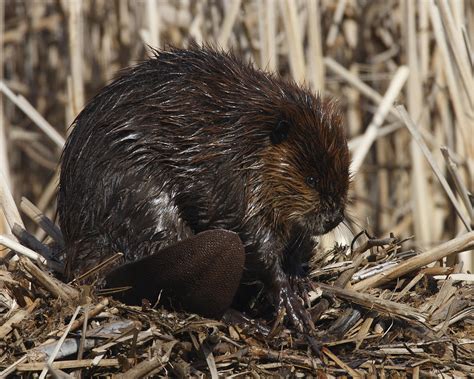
280,132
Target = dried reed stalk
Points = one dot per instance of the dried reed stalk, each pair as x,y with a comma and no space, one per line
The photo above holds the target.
462,243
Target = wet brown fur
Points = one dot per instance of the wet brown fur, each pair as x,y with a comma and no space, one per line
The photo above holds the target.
197,139
288,196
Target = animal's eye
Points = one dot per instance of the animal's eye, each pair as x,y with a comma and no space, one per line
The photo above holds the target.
311,181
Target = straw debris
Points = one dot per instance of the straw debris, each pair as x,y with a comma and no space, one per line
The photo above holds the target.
402,71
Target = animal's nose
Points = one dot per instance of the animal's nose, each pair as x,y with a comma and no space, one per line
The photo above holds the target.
335,221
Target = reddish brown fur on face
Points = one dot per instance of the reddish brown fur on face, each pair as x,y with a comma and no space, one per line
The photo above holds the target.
316,147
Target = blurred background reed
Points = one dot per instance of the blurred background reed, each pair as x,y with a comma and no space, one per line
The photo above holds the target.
370,55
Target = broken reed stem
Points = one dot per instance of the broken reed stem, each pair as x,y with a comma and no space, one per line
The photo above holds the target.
462,114
33,114
420,190
30,241
154,23
16,318
340,363
8,205
458,182
4,165
370,134
22,250
315,50
72,364
374,303
456,245
356,82
76,54
14,366
59,344
142,369
57,288
41,220
373,95
89,314
336,22
148,366
84,320
294,40
429,157
228,24
460,56
267,25
211,363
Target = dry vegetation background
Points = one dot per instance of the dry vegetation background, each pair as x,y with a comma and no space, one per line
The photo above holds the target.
370,55
402,71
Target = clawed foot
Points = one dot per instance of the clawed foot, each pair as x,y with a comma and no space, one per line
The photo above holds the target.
296,313
232,316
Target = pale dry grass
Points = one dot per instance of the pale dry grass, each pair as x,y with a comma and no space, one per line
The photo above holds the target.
402,71
368,55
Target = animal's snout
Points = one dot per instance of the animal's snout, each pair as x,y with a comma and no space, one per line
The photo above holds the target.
334,221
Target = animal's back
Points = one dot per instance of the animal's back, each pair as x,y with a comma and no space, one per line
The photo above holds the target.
150,158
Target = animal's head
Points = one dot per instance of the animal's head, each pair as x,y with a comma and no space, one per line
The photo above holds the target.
305,172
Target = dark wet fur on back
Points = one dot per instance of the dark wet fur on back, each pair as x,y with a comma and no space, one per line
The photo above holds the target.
197,139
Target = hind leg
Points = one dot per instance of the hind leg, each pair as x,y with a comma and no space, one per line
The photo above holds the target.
131,217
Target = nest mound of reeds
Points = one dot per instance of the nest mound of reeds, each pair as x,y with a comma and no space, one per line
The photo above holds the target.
377,309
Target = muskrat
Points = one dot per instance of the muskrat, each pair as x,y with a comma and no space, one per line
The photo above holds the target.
196,139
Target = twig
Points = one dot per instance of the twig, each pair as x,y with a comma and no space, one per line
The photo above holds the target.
20,249
54,286
460,187
76,53
12,367
58,346
7,204
331,38
294,40
371,302
145,367
20,314
89,313
457,245
228,24
416,135
41,220
72,364
370,134
98,268
33,114
31,242
340,363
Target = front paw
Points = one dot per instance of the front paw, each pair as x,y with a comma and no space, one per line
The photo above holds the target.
296,313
